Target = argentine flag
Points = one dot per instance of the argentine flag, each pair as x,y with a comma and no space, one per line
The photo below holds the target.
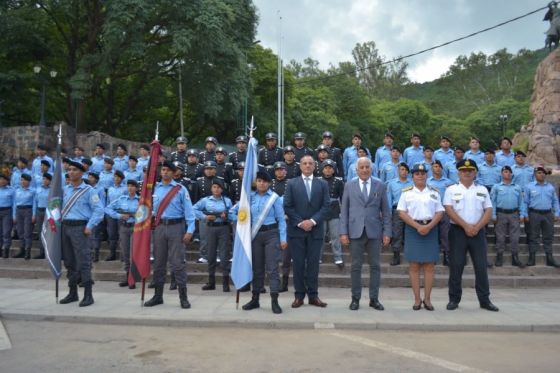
242,263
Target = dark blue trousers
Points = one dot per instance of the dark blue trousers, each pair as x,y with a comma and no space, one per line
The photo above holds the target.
306,252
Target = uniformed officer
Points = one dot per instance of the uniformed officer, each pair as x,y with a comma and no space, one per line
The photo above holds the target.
144,158
505,157
336,189
123,209
542,205
180,178
300,148
209,152
23,213
193,169
428,160
292,167
97,232
441,183
223,169
212,211
41,152
270,153
235,188
133,172
280,179
489,173
509,211
415,152
469,207
180,153
352,173
81,211
444,154
78,154
395,187
350,155
383,154
390,170
37,180
21,168
106,177
98,158
474,151
41,204
450,168
421,210
241,154
113,193
86,162
523,174
268,221
121,160
334,153
322,153
6,214
173,215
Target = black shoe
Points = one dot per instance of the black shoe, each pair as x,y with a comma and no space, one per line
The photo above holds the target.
112,257
429,307
284,285
253,303
340,265
27,254
225,284
157,298
516,262
499,260
355,304
211,284
417,307
20,254
531,260
489,306
376,304
263,291
6,253
551,262
274,303
123,283
72,295
87,300
451,306
185,304
396,259
445,261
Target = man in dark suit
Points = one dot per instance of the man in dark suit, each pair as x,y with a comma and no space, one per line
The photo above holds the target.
306,203
365,223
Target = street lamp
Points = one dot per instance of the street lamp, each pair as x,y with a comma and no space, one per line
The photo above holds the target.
503,119
53,74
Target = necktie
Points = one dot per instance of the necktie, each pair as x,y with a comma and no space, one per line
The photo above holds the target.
364,190
308,187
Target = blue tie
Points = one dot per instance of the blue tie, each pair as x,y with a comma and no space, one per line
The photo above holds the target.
364,190
308,187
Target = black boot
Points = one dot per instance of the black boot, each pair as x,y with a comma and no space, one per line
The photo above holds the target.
225,283
445,259
72,295
87,300
124,282
41,254
275,306
516,262
183,297
157,298
27,254
531,260
396,259
284,285
550,261
211,285
173,284
253,303
6,253
20,254
499,260
112,256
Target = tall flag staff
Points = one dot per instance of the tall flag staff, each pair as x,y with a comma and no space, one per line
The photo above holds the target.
142,235
51,235
242,265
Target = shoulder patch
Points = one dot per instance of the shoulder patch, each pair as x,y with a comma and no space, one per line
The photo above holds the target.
407,188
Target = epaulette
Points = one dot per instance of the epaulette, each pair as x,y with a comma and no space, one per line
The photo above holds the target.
338,178
408,188
200,178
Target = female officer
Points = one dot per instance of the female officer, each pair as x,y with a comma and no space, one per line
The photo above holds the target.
421,210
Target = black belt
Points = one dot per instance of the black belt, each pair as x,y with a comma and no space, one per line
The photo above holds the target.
41,209
542,212
269,227
395,207
171,221
74,223
423,222
128,225
216,224
24,207
5,208
507,211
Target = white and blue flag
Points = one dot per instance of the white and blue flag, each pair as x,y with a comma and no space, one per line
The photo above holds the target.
242,264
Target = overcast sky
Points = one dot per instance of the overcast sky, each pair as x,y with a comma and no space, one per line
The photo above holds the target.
328,30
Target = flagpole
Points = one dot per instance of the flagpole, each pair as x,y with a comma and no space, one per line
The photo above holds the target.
59,135
56,290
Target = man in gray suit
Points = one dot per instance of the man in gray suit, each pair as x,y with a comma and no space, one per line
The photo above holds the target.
365,223
306,203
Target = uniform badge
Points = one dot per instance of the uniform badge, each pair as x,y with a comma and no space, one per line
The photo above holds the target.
480,195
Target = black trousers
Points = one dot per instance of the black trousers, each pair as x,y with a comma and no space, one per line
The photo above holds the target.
459,245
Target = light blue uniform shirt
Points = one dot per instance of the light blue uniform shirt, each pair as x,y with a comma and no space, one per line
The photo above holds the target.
412,155
87,207
522,175
389,171
78,159
7,196
133,175
349,157
36,165
503,159
24,197
440,184
15,179
275,214
142,162
42,197
115,192
211,204
101,193
121,163
180,206
382,156
106,179
478,157
489,175
394,190
450,171
541,197
444,156
124,204
97,163
509,197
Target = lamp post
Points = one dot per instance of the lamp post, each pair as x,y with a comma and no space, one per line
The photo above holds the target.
52,73
1,113
503,119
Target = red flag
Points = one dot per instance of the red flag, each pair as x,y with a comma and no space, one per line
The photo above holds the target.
140,258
